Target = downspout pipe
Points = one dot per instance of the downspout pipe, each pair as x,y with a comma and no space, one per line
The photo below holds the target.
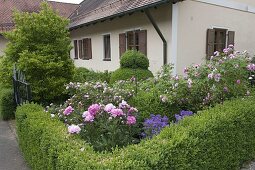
148,14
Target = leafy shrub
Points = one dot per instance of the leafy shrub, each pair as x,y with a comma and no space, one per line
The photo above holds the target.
7,104
218,138
82,75
40,46
134,59
127,73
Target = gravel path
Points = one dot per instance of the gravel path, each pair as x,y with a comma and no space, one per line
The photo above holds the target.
10,155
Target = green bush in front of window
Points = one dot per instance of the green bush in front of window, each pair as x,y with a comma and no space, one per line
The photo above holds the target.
134,59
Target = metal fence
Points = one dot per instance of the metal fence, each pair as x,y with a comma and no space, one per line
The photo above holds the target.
22,90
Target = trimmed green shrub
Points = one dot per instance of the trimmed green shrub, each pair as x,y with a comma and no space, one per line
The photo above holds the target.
218,138
127,73
40,46
7,104
134,59
82,74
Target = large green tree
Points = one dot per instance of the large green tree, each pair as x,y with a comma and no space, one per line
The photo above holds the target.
40,46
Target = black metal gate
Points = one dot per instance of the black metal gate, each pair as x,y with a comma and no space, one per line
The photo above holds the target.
22,90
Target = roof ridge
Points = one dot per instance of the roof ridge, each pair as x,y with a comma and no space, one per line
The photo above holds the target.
69,3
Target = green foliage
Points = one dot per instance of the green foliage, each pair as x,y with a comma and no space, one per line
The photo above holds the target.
6,71
127,73
218,138
40,46
134,59
7,104
82,75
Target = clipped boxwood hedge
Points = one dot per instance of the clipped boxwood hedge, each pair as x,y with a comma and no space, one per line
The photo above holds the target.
128,73
218,138
134,59
7,104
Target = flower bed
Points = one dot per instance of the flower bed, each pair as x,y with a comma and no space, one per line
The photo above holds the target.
218,138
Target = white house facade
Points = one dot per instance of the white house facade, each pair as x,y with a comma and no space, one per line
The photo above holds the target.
167,31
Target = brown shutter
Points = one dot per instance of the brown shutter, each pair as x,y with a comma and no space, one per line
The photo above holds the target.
85,49
80,49
122,43
143,41
231,38
210,43
89,48
75,49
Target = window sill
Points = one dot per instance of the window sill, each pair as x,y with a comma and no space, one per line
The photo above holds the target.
107,59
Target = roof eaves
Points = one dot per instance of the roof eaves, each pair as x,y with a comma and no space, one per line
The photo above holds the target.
123,13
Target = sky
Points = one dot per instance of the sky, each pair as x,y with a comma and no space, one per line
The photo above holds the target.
69,1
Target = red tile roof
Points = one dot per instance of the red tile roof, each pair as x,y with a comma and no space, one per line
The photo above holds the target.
8,6
91,11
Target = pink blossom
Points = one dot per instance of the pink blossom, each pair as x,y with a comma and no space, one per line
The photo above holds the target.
251,67
226,50
210,76
176,77
85,114
216,53
68,110
131,120
74,129
93,109
238,81
132,110
117,112
89,118
186,70
225,89
217,77
109,107
123,104
231,46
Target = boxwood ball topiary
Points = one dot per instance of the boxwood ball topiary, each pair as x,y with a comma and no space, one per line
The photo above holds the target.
127,73
134,59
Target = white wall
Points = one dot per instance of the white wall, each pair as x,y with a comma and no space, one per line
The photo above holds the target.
3,43
196,17
138,20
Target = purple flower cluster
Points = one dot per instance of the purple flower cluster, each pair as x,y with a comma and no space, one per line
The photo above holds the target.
153,125
183,114
251,67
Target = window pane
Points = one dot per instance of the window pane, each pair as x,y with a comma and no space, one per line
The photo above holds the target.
130,40
75,49
107,46
220,40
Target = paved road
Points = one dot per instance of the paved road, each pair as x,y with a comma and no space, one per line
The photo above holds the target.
10,155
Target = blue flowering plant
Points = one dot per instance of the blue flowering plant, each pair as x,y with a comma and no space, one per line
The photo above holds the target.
182,115
153,125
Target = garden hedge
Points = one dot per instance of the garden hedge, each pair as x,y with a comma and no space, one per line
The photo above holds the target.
7,104
219,138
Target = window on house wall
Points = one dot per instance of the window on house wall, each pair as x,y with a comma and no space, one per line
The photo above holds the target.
136,39
217,40
107,47
83,49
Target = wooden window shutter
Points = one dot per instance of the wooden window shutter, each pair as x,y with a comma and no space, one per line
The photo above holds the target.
210,43
122,43
231,38
85,49
76,49
80,49
143,41
89,48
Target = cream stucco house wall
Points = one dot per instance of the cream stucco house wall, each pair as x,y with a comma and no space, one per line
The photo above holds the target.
183,24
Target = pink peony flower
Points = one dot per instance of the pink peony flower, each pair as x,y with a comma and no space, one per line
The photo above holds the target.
109,107
251,67
117,112
89,118
131,120
93,109
68,110
132,110
238,81
216,53
74,129
85,114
